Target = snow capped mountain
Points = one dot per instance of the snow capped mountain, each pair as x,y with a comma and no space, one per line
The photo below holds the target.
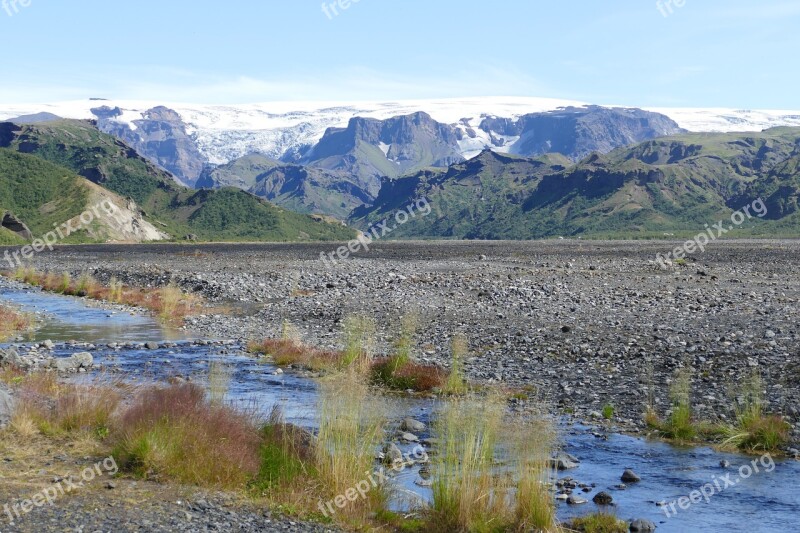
223,133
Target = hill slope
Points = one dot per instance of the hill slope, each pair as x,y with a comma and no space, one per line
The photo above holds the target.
674,184
42,197
229,214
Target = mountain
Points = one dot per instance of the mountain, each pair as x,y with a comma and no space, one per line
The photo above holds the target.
674,184
577,131
295,187
161,136
225,214
37,196
185,138
369,149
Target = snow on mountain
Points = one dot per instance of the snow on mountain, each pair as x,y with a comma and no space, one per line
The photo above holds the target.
226,132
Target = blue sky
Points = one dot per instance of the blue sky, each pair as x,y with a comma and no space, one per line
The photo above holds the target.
728,53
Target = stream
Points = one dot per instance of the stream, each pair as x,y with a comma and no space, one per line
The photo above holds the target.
765,501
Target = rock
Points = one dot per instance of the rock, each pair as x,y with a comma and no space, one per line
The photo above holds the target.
6,406
409,437
83,359
11,357
629,476
603,498
77,361
724,464
409,424
642,525
10,222
421,482
151,345
48,344
563,461
392,453
576,500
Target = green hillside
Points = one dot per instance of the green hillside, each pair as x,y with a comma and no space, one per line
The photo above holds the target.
672,186
231,215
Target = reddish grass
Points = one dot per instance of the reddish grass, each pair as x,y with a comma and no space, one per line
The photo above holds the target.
168,303
410,375
175,432
286,352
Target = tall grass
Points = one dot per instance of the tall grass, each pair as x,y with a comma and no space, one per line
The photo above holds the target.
359,343
469,494
456,382
754,429
350,431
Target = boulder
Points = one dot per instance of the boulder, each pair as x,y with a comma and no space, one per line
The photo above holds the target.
6,406
563,461
629,476
603,498
413,426
10,357
642,525
73,363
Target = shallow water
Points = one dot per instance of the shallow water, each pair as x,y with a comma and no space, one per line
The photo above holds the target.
766,501
64,318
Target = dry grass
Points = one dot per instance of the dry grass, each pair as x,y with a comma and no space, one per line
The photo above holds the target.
46,406
469,492
169,303
456,383
13,322
351,429
219,381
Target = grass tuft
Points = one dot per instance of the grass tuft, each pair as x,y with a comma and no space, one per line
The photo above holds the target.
177,433
599,523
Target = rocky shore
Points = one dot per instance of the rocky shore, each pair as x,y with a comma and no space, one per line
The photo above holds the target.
586,324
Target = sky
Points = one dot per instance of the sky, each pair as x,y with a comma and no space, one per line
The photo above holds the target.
675,53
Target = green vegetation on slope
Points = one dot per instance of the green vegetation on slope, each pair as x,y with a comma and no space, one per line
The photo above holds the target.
231,215
671,186
40,194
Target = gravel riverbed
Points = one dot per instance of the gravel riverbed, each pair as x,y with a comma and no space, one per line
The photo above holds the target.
586,323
